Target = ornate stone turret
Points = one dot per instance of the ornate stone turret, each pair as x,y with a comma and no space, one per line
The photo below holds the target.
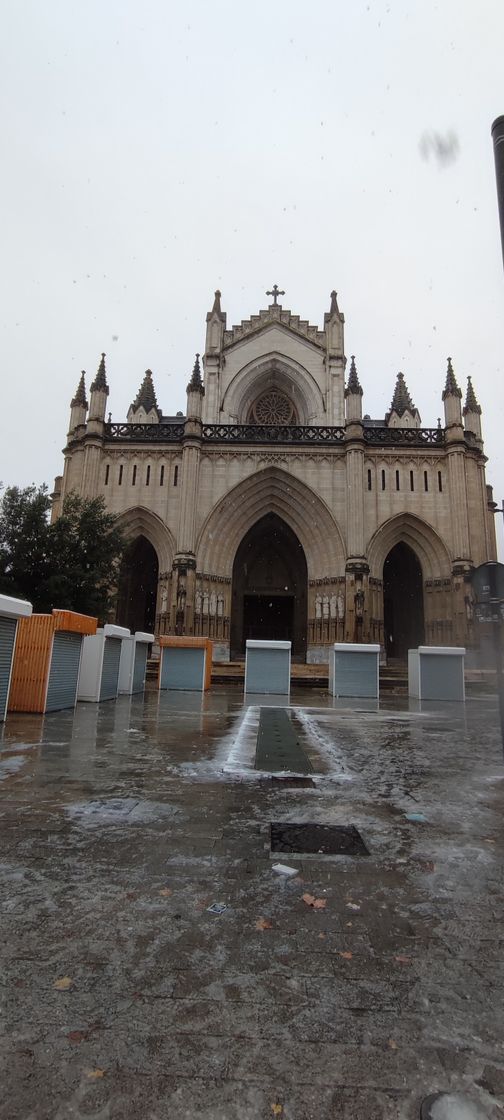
144,409
99,393
78,406
195,392
402,412
335,362
353,394
452,397
472,412
216,325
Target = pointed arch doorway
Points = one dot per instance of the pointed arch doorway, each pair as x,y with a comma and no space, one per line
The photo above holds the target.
138,583
269,588
403,606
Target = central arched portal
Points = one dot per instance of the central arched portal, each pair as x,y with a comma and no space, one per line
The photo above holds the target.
269,589
403,609
136,600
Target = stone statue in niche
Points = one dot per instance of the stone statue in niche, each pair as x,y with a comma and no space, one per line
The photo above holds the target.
164,600
197,603
333,607
205,602
318,606
341,606
325,606
213,603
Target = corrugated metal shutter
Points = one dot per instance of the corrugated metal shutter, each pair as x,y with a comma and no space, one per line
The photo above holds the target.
7,639
268,671
182,668
355,674
110,669
139,667
64,671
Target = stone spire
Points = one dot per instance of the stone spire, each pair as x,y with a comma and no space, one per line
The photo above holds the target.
402,412
353,395
146,396
471,404
353,384
98,397
451,388
100,381
452,397
79,400
472,413
334,309
196,384
216,309
78,408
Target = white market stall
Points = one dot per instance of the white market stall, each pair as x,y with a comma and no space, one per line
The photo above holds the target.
11,610
133,663
101,657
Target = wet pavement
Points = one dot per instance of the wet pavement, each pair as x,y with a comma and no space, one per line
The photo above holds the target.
124,997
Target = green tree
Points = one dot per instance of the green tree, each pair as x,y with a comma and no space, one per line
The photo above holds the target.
72,564
85,550
24,540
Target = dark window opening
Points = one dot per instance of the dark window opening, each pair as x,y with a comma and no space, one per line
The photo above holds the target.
369,486
411,481
133,481
175,476
425,481
383,480
147,479
161,477
107,472
397,480
440,482
121,468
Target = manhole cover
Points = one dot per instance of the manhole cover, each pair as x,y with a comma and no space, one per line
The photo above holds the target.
314,839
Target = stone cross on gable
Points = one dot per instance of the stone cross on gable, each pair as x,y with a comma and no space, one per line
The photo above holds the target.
275,293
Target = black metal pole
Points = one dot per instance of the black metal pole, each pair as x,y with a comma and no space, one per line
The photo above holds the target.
498,144
495,607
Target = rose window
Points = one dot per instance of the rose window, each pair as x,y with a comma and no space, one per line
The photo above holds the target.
273,408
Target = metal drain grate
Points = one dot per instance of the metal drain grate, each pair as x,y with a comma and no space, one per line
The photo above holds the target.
315,839
278,747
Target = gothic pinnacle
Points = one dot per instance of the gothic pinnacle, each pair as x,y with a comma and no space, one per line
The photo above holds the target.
196,382
451,388
334,310
146,396
80,395
100,381
471,404
353,385
401,401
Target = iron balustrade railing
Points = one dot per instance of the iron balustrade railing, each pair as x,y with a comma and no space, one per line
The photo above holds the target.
272,433
145,433
409,437
276,434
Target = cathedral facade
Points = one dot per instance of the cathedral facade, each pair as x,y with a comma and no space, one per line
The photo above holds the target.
274,509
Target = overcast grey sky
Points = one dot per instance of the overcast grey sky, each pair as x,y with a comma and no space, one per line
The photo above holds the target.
154,152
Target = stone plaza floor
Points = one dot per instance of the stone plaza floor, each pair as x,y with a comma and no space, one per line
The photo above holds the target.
123,996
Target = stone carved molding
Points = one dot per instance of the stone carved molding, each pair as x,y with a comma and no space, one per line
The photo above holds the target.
274,315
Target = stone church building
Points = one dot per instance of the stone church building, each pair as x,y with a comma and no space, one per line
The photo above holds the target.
275,509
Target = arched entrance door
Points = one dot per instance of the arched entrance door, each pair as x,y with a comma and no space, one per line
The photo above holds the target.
138,581
269,590
403,609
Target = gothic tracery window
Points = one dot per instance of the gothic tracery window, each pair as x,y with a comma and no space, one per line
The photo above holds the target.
273,407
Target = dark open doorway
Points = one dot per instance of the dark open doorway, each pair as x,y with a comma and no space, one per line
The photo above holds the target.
403,609
269,593
136,600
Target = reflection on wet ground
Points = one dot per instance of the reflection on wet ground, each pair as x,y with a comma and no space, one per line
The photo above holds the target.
350,990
